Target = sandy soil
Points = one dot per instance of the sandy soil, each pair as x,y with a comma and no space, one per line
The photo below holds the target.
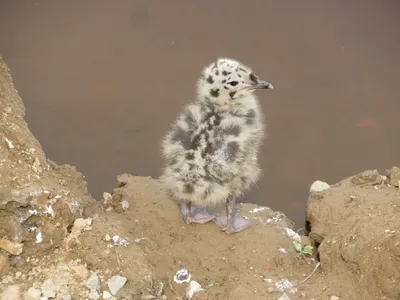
56,242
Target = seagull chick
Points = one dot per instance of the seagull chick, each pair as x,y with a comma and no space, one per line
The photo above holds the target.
211,150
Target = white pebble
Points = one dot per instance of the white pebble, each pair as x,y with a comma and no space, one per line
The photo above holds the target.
49,289
106,295
115,283
33,294
319,186
93,283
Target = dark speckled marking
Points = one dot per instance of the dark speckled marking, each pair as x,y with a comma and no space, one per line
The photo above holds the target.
189,119
251,114
217,72
210,79
241,69
223,81
232,130
232,149
189,156
182,136
232,94
214,93
188,188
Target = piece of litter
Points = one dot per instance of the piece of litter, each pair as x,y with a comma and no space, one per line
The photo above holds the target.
9,143
283,250
292,234
39,238
139,240
283,285
193,288
319,186
257,209
125,205
119,241
182,276
50,210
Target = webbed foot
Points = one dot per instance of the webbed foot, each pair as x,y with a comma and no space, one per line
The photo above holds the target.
238,223
193,214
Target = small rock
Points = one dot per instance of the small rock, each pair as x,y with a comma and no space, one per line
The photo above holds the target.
370,177
284,297
107,198
12,292
4,265
107,237
10,247
270,289
94,295
334,298
93,283
49,289
106,295
115,283
394,175
33,294
67,297
319,186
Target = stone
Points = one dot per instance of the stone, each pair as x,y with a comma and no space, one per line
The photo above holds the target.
106,295
67,297
319,186
33,294
93,283
284,297
4,265
115,283
10,247
367,178
394,175
334,298
94,295
49,289
12,292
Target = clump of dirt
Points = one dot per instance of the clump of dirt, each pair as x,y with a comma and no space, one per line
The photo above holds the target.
56,242
356,224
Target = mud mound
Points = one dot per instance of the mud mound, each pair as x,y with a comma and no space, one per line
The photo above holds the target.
356,224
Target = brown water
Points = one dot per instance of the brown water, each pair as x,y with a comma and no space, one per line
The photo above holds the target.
102,80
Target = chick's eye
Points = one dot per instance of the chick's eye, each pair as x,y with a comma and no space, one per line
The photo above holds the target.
233,83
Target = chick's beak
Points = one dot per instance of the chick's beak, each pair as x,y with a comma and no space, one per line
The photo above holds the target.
261,84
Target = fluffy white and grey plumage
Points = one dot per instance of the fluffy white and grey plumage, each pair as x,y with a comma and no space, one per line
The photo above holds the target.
211,150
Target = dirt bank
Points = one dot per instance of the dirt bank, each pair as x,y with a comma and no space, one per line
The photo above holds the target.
58,243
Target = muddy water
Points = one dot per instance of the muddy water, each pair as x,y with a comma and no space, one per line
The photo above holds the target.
102,80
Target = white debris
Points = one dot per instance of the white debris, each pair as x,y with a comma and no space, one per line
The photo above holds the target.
257,209
284,297
292,234
283,250
93,282
335,298
49,289
39,238
125,205
193,288
33,294
119,241
182,276
9,143
107,238
319,186
283,285
58,197
115,283
67,297
106,295
33,212
138,240
50,210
